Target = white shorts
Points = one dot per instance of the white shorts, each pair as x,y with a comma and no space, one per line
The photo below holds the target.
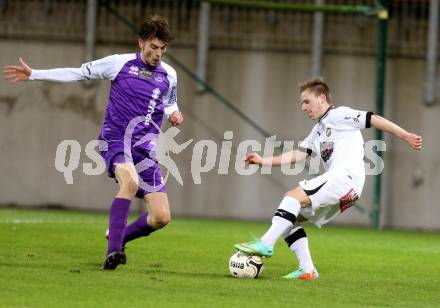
330,194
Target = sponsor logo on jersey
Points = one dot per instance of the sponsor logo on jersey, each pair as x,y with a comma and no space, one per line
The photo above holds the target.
348,200
355,119
145,74
152,105
156,93
173,96
326,150
134,70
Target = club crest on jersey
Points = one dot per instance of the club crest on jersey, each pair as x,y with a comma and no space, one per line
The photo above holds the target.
134,70
328,131
158,77
145,74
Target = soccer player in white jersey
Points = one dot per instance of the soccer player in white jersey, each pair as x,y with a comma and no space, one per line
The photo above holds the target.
337,138
143,88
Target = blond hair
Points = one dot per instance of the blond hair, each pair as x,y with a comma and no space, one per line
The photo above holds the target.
317,86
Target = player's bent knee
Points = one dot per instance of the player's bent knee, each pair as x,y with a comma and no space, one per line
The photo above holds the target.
129,187
299,194
160,221
290,194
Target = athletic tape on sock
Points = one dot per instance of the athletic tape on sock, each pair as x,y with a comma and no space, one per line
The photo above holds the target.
295,235
288,209
286,215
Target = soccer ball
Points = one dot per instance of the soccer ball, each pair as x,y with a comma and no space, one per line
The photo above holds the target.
242,265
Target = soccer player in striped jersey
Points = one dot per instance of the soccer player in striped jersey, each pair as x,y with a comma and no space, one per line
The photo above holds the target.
142,87
337,138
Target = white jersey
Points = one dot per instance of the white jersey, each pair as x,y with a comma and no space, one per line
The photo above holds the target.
338,140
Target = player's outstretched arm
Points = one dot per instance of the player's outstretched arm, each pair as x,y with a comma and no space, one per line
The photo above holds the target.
105,68
283,159
414,141
17,73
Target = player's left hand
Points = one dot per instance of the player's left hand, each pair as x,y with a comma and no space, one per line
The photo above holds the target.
176,118
414,141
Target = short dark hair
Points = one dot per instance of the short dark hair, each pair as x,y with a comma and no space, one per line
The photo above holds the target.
156,26
317,86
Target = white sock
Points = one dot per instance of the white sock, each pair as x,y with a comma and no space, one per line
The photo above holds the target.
281,224
302,252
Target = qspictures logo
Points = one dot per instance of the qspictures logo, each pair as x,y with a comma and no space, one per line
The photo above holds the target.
207,155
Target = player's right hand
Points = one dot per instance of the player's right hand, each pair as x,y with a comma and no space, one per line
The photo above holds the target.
253,158
17,73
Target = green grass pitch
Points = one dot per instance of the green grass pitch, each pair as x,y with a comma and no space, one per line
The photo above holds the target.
52,259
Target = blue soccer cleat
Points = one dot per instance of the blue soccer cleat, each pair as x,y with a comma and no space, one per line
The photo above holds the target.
301,274
255,247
